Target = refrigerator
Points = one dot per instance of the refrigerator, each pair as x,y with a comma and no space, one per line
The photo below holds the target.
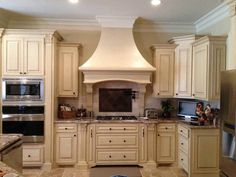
228,123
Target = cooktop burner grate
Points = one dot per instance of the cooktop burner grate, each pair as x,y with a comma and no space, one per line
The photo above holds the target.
116,118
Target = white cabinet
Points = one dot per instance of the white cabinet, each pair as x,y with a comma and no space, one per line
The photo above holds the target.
164,62
68,56
23,55
166,143
183,65
33,155
209,57
66,144
199,150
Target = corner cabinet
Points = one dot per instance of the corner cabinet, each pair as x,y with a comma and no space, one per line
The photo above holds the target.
199,150
209,57
23,55
66,144
166,142
68,74
183,65
163,56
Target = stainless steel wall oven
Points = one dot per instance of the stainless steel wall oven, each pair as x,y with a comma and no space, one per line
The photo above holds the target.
25,119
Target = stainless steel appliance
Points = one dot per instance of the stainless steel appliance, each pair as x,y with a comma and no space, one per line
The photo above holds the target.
151,113
228,116
24,119
18,90
12,155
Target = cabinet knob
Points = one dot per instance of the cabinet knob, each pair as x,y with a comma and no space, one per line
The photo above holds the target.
21,73
109,128
29,155
182,143
124,156
124,141
74,135
73,93
182,159
158,93
66,128
24,72
176,94
166,128
109,141
181,130
158,135
124,128
109,156
193,94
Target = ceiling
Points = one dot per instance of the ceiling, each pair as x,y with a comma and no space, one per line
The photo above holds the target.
180,11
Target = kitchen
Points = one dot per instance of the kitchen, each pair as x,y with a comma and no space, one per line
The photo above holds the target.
88,48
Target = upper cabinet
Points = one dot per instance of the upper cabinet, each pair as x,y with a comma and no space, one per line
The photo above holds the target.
183,65
23,55
163,55
209,57
68,59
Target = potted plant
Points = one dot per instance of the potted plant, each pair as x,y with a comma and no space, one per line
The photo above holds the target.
167,107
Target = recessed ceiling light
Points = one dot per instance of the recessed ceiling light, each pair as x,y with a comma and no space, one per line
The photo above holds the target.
155,2
74,1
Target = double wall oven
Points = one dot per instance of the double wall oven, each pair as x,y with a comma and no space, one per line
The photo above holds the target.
23,108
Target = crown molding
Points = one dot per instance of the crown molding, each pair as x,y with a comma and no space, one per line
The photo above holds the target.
172,27
116,21
219,13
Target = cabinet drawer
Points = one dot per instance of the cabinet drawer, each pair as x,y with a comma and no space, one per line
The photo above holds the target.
122,156
116,128
117,140
32,155
183,144
166,127
66,128
183,131
183,161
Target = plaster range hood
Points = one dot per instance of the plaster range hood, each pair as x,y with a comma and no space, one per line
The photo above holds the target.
117,56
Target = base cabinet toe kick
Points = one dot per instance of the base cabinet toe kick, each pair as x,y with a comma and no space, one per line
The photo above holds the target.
193,149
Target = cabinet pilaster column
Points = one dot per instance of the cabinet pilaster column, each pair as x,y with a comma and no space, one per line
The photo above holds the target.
89,96
1,32
82,149
151,157
142,91
232,35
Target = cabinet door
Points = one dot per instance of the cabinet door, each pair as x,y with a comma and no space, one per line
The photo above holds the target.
66,148
143,143
200,65
12,56
68,71
165,147
183,71
34,56
164,83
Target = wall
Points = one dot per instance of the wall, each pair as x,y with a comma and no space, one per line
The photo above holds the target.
89,41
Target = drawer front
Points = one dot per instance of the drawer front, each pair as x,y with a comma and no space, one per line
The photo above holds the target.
116,140
183,161
183,131
108,156
166,127
66,128
183,144
116,128
32,155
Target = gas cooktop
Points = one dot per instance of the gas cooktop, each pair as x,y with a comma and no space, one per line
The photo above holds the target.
116,118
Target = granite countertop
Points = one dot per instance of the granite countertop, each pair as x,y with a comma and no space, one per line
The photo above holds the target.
188,125
8,139
6,169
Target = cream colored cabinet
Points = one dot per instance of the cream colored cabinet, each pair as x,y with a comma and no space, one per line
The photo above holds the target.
91,146
209,57
23,55
143,145
166,143
33,155
66,144
164,62
183,65
68,56
199,150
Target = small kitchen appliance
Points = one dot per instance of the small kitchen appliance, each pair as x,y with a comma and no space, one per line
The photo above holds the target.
151,113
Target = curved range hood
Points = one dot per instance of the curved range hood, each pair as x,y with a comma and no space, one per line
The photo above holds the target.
117,56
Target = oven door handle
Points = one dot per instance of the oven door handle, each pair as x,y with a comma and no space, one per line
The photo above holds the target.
6,151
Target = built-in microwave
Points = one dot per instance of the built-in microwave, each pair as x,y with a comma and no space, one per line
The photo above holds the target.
30,90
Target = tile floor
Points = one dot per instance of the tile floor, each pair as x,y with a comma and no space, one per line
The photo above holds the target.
73,172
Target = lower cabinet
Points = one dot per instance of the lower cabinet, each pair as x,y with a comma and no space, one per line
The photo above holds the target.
166,143
33,155
199,150
66,144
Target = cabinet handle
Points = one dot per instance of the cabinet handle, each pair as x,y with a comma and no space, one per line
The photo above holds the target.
124,141
143,132
109,141
74,135
91,133
109,156
124,156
